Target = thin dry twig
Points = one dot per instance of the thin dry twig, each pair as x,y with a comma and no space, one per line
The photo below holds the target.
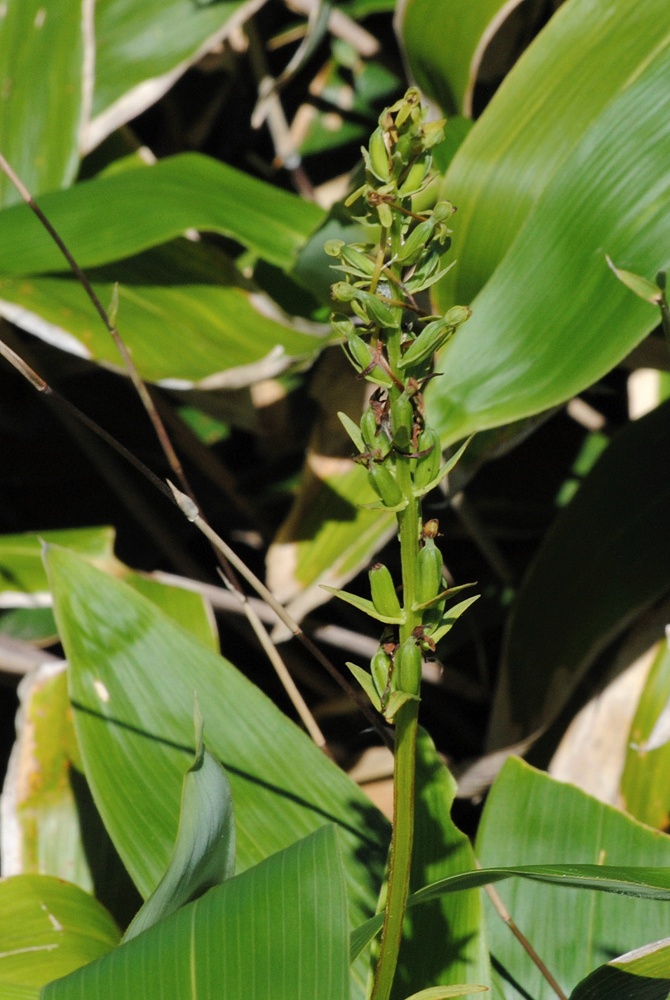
504,914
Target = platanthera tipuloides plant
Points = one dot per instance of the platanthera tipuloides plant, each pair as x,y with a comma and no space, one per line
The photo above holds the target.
391,340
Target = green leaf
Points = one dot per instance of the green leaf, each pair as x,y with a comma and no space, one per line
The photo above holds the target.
50,824
138,209
644,785
182,323
608,552
167,38
442,992
22,572
457,922
204,853
643,974
133,674
444,45
48,928
532,818
279,929
566,165
40,123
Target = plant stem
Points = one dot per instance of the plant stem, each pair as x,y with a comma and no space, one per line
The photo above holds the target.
406,723
400,858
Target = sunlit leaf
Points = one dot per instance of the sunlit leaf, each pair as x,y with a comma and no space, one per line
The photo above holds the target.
133,675
532,819
565,166
204,852
48,928
138,209
644,786
279,929
444,45
167,38
40,123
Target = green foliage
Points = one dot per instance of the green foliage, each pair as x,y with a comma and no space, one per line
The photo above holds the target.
240,850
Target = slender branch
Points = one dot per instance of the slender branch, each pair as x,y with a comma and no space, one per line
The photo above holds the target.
190,511
504,914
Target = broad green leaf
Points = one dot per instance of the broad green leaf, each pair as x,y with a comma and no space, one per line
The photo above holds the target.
549,112
642,974
606,558
138,209
31,624
133,675
444,45
529,817
50,824
185,313
143,48
48,928
22,572
40,124
550,317
279,929
644,785
204,852
13,991
457,922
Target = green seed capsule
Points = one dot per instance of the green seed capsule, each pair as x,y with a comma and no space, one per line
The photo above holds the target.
361,352
357,262
379,157
415,175
429,563
428,466
402,421
380,668
383,592
369,429
433,336
384,485
408,663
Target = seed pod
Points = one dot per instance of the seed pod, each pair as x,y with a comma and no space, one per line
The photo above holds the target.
415,175
379,157
384,485
383,592
408,662
380,668
361,352
369,429
457,315
429,563
362,358
431,338
415,243
356,261
428,465
402,421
